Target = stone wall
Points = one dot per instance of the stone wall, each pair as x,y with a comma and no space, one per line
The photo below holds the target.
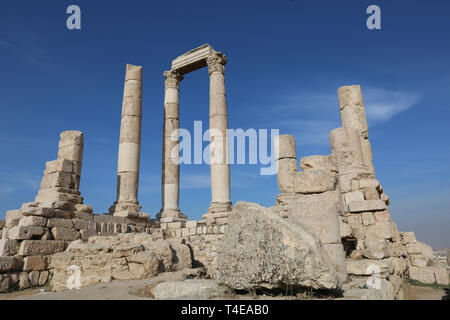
201,237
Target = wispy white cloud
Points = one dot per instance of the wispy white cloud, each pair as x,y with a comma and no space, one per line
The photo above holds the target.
382,105
309,116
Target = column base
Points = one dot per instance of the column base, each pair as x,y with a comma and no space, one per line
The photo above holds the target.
125,209
217,213
171,215
219,207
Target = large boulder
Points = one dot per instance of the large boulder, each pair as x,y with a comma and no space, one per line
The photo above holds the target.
261,250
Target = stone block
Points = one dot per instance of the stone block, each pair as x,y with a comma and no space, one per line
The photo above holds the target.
33,276
382,216
418,260
380,230
371,194
318,162
25,233
43,277
65,234
314,181
35,263
8,264
40,247
369,183
353,196
63,214
85,234
80,207
367,218
441,275
368,267
83,215
24,282
422,274
367,205
175,225
38,211
12,218
185,232
413,248
59,223
8,247
191,224
57,179
59,165
81,224
407,237
33,221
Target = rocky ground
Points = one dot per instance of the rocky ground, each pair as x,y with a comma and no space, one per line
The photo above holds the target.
178,284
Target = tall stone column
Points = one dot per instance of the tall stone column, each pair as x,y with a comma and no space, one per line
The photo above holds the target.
353,115
127,203
218,125
170,180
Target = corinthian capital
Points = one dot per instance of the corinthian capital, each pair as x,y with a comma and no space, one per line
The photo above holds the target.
172,78
216,62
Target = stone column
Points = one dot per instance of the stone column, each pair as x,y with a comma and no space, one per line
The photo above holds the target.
218,125
353,115
71,144
170,180
127,203
287,166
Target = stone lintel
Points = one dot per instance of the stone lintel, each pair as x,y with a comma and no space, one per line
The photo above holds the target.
192,60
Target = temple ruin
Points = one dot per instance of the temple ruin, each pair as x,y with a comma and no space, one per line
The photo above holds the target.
330,227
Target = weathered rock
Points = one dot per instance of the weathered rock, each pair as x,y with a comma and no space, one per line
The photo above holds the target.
318,162
65,234
38,211
314,181
426,250
319,214
59,223
9,264
418,260
124,257
368,267
367,205
40,247
12,218
422,274
25,232
407,237
441,275
8,247
33,221
190,289
33,263
24,282
261,250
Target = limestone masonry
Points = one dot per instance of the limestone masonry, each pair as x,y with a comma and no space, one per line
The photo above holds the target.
330,227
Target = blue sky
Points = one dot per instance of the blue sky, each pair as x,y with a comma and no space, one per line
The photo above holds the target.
286,61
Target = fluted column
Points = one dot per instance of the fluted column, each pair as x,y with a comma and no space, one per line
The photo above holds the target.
353,115
127,203
218,124
170,180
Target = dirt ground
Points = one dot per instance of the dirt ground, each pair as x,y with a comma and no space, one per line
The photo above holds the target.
142,290
426,293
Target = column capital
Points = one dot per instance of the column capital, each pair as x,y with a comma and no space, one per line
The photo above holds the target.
172,78
216,62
